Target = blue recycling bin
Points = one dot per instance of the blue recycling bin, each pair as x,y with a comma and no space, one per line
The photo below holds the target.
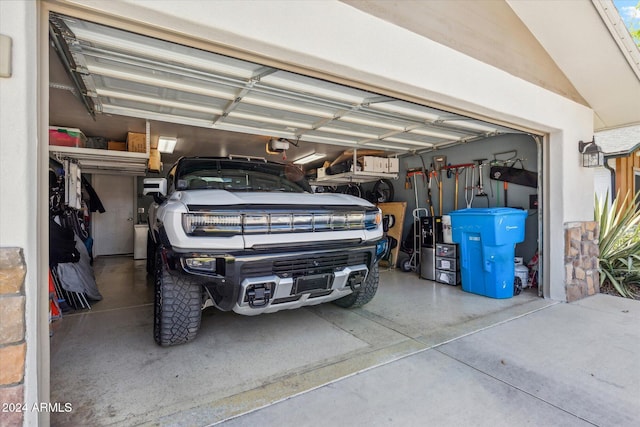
487,239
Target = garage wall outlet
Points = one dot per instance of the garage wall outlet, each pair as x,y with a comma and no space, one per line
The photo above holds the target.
5,56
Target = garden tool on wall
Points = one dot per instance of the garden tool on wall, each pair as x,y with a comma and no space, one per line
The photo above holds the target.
455,200
506,186
502,169
456,170
481,164
429,199
439,162
410,181
469,186
426,176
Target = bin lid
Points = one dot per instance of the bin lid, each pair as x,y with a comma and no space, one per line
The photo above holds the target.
488,211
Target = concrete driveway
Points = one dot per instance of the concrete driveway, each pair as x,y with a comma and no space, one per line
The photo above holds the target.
567,364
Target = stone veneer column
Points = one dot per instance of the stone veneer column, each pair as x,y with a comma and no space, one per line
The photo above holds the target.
12,333
581,253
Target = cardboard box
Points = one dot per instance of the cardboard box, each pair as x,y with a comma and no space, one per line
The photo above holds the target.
322,172
137,142
117,145
155,164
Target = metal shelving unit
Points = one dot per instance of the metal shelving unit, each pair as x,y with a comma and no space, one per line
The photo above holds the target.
93,160
357,177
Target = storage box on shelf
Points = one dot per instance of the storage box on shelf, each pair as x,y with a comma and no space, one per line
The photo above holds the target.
117,145
374,164
392,165
367,169
97,142
136,142
66,137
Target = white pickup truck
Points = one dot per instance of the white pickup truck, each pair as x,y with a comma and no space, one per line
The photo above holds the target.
250,236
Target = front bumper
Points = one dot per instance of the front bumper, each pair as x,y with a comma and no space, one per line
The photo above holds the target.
256,282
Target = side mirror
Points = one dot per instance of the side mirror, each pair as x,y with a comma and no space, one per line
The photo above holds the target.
155,186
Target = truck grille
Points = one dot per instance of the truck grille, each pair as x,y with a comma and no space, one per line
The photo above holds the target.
296,267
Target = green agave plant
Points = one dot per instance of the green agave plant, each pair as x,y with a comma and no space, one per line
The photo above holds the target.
620,243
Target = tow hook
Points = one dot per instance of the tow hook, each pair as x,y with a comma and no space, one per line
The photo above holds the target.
355,280
259,295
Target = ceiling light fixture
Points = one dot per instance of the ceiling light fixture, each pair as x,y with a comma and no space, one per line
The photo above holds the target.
167,144
309,158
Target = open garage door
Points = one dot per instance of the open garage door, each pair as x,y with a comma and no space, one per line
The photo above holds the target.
216,105
121,73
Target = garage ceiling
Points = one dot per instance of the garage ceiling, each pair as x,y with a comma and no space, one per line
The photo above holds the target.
125,74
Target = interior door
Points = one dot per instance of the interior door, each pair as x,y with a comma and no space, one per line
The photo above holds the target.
113,229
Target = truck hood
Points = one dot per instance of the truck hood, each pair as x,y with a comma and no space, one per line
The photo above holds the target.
225,198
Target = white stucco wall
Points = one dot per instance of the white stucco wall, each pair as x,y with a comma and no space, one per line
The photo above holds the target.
602,182
19,183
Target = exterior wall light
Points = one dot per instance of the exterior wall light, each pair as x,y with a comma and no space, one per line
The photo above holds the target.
592,155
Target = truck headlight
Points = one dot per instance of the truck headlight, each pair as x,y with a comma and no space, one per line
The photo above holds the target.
281,223
372,219
256,223
208,224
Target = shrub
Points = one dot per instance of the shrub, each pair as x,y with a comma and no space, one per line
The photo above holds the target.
620,244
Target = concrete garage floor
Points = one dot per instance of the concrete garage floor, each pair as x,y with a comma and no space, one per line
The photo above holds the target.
419,351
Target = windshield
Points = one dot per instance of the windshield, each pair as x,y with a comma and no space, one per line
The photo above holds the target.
239,175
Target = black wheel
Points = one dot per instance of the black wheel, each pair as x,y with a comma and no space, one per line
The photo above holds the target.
383,191
353,190
517,285
177,306
403,258
151,254
406,266
363,295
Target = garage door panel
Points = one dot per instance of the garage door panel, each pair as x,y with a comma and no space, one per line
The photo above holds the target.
131,74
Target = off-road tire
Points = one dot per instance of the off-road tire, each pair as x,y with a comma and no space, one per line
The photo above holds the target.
177,306
363,295
151,254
